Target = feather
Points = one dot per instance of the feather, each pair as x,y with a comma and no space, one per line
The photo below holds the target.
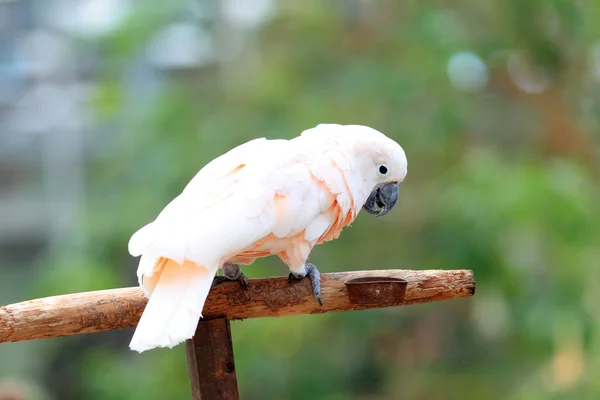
175,307
141,240
262,198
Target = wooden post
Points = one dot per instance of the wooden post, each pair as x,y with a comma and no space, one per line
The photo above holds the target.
210,362
210,350
104,310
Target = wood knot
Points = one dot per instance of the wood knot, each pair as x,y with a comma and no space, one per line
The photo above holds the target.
230,367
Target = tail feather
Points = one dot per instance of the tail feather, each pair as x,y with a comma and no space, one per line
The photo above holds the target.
149,270
175,306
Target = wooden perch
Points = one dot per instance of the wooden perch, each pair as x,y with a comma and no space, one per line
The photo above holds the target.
269,297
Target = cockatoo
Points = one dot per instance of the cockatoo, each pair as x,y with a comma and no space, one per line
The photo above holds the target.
263,198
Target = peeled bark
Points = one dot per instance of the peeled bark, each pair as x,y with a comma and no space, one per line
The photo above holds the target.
268,297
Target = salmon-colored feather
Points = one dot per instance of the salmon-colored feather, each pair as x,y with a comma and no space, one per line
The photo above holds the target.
262,198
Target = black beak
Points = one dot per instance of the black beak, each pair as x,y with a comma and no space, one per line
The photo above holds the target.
382,199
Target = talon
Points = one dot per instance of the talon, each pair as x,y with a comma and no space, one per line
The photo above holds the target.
217,280
319,300
315,279
231,272
243,280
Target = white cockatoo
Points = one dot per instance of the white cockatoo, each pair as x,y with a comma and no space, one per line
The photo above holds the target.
264,197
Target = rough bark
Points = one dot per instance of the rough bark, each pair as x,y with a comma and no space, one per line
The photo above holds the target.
268,297
210,362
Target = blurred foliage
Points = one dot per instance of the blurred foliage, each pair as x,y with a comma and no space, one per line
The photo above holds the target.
502,180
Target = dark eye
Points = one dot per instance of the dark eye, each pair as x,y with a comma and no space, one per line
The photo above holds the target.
383,169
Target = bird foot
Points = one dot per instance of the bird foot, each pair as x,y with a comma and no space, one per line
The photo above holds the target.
231,272
315,278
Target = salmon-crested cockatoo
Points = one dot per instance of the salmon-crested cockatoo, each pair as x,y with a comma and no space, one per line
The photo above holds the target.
264,197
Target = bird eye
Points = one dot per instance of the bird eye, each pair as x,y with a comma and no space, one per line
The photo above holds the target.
383,169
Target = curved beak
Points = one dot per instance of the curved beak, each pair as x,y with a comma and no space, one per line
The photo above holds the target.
382,199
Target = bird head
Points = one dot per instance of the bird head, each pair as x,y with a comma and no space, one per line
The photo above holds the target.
374,165
383,166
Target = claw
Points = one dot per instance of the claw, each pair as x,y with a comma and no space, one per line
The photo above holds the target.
217,280
231,272
315,279
243,279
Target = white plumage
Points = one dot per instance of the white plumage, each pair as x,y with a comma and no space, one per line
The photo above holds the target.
263,197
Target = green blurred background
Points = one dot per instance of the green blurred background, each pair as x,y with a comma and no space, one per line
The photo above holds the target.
109,107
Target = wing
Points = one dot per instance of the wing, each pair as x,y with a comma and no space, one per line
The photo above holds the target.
258,189
211,179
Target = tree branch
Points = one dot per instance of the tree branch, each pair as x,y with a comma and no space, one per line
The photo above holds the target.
269,297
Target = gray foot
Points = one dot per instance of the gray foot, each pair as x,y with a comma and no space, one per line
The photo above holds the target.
315,278
231,272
